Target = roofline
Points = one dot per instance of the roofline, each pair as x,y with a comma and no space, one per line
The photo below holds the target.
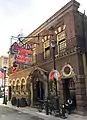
48,23
64,8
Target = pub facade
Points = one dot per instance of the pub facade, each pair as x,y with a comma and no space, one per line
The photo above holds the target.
67,30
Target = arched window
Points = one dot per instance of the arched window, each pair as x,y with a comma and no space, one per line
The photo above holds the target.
23,85
18,86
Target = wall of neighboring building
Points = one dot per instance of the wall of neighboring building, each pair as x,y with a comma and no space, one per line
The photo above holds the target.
3,61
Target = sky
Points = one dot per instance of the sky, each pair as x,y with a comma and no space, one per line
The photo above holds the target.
24,16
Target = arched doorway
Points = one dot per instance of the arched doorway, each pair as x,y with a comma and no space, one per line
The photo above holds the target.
38,83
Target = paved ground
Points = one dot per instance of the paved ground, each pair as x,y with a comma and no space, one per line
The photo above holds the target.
14,113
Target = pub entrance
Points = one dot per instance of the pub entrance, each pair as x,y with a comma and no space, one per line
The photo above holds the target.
38,91
69,90
38,78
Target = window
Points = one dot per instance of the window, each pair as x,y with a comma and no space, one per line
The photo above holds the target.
62,45
61,36
47,53
5,61
46,46
23,88
61,39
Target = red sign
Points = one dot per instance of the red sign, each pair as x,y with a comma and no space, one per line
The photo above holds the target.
20,50
22,59
22,55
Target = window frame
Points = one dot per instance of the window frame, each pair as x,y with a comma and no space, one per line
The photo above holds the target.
61,41
46,46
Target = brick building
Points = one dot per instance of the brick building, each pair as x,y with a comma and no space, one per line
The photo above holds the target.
70,35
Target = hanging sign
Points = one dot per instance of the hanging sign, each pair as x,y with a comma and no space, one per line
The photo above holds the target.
23,59
18,49
21,54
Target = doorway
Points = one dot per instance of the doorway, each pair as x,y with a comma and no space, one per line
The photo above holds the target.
38,91
69,90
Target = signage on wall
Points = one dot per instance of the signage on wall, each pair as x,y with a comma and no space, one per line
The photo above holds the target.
21,54
67,70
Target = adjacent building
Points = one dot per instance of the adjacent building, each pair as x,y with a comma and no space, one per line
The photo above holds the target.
68,29
3,63
3,77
